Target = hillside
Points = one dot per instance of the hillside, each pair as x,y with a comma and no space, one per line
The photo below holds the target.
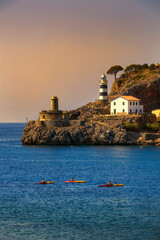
143,84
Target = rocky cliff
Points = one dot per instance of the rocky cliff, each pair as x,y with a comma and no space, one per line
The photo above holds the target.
88,133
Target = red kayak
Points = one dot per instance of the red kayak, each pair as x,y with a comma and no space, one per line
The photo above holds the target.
46,182
113,185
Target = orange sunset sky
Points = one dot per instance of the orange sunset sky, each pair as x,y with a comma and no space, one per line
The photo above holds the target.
62,47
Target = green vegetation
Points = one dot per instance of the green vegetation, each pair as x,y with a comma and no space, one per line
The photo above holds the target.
136,67
120,81
153,127
133,74
131,84
152,66
131,126
139,126
114,70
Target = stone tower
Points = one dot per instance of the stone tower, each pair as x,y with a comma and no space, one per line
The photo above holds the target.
54,104
103,90
52,115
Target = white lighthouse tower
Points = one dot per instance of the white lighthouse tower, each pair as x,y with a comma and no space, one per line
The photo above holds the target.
103,90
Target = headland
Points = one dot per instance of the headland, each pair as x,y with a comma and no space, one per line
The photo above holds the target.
134,96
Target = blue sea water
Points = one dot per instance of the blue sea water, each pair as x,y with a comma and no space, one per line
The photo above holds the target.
66,211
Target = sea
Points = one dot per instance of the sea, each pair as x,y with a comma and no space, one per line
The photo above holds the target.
72,211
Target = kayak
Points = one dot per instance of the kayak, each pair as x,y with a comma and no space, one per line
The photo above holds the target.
113,185
46,182
75,181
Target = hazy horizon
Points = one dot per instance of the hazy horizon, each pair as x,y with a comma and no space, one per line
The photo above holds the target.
61,48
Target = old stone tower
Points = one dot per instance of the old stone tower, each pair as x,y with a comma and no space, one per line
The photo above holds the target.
51,115
54,104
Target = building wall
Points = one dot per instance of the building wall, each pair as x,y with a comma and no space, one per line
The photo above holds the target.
123,106
134,107
50,116
119,105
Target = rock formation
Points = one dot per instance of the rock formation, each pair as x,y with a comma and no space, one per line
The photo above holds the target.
90,133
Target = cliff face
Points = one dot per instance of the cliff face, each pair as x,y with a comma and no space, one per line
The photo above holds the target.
89,133
144,85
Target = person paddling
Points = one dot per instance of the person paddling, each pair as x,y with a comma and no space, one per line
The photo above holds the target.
72,179
109,184
43,181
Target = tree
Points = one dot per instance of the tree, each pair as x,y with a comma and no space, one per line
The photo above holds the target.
114,70
144,66
132,67
152,67
135,67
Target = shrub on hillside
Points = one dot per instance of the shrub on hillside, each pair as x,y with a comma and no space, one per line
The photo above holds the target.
153,127
152,66
144,66
138,68
120,81
132,67
124,75
134,127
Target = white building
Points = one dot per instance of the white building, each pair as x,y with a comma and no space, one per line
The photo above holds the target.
125,105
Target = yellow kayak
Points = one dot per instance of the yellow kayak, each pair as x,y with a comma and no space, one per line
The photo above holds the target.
75,181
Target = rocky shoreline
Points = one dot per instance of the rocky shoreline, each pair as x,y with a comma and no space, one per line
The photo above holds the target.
85,133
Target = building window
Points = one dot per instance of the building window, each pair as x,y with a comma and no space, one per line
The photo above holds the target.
123,103
43,116
136,103
130,110
114,111
130,103
140,110
114,103
133,103
123,110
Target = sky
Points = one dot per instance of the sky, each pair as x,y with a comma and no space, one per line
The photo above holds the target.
62,47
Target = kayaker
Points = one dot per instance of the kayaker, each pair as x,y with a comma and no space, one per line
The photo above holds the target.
109,184
43,181
72,179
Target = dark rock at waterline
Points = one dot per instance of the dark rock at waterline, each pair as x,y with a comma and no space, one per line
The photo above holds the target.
37,133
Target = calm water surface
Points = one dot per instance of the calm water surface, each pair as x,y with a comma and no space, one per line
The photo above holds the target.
77,211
